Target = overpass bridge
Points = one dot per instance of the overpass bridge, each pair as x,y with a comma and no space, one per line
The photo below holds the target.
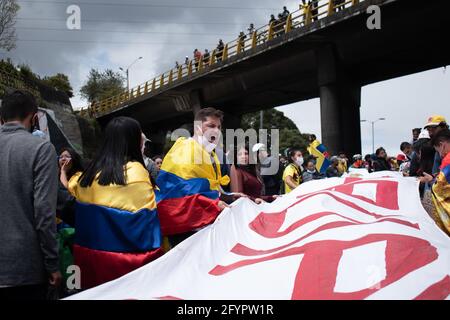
320,52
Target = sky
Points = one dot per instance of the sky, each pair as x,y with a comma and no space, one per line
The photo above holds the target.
114,33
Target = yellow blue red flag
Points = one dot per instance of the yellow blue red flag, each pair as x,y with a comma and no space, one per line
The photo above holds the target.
319,151
189,187
117,227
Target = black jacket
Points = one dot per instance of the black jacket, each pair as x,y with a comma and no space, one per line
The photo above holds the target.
381,164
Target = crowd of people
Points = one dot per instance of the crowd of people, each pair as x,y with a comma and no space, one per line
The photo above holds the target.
126,208
278,24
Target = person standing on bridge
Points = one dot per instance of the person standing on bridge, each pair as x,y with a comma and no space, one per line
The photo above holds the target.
339,5
190,180
241,40
220,48
272,22
197,58
206,57
279,25
251,29
314,4
285,13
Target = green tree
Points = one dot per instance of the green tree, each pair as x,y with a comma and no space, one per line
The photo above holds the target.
102,85
8,18
290,135
61,82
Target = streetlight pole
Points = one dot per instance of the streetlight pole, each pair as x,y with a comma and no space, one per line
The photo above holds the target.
373,130
127,72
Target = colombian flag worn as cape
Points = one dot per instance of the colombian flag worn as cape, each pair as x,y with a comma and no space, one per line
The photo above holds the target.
189,187
116,228
441,195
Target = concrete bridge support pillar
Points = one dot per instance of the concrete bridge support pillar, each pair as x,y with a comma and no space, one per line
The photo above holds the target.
340,101
158,141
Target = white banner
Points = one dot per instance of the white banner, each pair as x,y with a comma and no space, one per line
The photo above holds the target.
340,238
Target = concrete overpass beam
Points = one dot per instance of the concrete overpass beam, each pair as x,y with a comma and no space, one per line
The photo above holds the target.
158,139
340,118
230,120
196,99
340,100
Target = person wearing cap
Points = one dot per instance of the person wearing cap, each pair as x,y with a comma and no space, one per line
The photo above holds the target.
433,126
441,186
271,180
358,162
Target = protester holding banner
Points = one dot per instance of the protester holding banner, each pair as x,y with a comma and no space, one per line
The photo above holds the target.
311,173
117,226
190,180
381,162
272,181
246,177
292,175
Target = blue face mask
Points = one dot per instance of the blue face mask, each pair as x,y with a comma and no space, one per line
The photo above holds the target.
39,133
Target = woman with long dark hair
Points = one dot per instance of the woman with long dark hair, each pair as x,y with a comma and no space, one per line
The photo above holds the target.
117,226
245,176
69,162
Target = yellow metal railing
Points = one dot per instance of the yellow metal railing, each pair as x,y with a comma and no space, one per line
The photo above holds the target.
305,15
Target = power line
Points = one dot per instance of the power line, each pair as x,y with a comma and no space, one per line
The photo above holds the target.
113,31
135,21
172,6
109,42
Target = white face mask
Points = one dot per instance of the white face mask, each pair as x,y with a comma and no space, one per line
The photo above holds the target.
209,146
311,171
299,161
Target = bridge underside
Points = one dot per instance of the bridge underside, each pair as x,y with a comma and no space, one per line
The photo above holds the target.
331,59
